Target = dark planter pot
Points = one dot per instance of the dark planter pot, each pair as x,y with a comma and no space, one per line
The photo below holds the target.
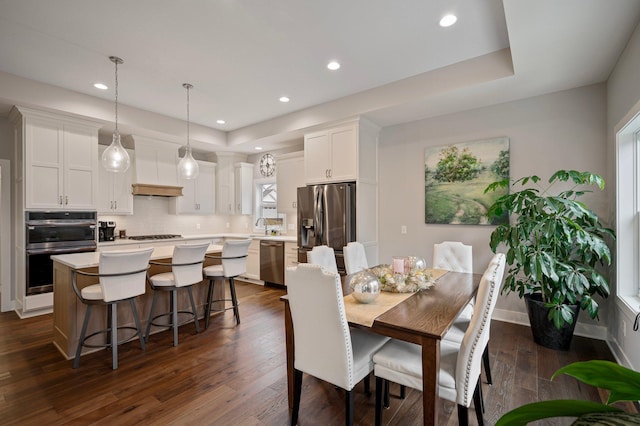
544,332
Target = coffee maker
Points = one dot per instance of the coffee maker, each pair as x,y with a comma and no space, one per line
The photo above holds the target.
106,230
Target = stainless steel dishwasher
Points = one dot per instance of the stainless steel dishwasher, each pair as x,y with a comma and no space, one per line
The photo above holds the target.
272,262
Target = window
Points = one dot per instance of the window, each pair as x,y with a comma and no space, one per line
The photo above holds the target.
628,212
266,206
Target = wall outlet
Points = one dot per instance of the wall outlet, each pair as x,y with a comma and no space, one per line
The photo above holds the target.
291,227
403,229
197,226
228,225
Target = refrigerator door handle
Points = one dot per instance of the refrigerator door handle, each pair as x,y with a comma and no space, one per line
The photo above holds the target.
318,215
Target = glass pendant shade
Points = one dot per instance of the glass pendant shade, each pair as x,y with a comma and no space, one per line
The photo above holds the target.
115,158
188,166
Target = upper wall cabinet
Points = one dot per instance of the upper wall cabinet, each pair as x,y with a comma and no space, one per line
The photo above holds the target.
226,202
243,183
58,160
347,152
289,176
198,195
114,196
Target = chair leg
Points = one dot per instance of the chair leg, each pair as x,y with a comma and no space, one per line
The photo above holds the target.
87,314
114,335
137,321
386,394
379,386
174,315
207,310
487,364
403,391
481,396
153,305
367,384
463,415
477,402
234,299
348,405
297,390
195,311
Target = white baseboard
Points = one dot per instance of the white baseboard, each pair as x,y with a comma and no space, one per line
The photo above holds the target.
590,331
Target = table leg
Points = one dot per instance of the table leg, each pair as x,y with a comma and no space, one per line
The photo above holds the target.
430,373
288,330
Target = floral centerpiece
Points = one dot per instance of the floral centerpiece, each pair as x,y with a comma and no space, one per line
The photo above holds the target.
415,280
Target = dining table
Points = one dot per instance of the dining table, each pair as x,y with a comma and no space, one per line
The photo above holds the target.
423,318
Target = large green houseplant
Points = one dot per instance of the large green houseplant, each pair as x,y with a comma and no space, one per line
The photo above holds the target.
554,247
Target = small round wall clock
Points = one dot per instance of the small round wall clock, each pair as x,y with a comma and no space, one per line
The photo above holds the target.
267,165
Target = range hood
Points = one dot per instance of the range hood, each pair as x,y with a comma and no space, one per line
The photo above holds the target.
156,170
156,190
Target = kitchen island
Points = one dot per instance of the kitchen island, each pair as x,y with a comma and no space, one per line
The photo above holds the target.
68,311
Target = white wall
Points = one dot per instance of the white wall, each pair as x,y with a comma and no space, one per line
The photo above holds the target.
623,102
547,133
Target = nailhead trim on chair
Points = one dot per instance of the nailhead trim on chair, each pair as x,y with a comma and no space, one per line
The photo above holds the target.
343,314
475,342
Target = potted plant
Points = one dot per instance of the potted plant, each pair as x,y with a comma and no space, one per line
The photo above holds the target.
622,383
554,247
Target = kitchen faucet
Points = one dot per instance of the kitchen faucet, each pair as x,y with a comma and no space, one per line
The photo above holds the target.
264,222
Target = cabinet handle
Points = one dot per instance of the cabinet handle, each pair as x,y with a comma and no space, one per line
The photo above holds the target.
330,172
115,204
60,200
66,199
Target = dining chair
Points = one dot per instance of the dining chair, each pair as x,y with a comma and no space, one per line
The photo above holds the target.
323,256
355,258
460,363
325,346
122,277
233,263
186,270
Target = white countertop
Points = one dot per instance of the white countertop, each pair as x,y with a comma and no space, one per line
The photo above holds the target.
90,259
119,241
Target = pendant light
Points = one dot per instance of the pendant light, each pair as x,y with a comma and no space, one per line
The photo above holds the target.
188,166
115,158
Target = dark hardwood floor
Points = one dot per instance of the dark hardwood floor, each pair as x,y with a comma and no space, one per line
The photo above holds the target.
229,375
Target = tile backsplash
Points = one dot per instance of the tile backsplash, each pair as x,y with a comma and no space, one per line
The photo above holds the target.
151,216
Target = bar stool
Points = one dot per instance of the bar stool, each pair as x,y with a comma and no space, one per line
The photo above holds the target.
234,263
122,276
186,270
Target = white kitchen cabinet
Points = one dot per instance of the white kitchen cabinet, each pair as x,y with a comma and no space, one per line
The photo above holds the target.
198,195
253,260
331,155
114,195
243,184
226,182
289,176
59,159
290,256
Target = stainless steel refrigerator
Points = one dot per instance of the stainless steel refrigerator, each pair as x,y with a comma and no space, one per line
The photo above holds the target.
326,216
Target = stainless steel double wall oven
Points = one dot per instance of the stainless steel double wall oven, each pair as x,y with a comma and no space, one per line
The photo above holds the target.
49,233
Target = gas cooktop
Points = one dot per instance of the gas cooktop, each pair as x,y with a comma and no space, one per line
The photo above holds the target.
155,237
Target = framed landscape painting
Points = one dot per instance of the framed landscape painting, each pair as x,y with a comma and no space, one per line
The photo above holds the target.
455,177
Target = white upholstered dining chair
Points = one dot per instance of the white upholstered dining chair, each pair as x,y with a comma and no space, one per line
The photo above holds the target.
233,263
323,256
122,276
324,345
460,363
355,258
186,270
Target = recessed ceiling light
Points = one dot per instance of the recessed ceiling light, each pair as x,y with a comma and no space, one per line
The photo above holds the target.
101,86
448,20
333,65
284,99
258,148
220,121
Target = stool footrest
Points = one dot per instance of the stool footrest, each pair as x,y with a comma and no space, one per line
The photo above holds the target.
107,332
169,314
